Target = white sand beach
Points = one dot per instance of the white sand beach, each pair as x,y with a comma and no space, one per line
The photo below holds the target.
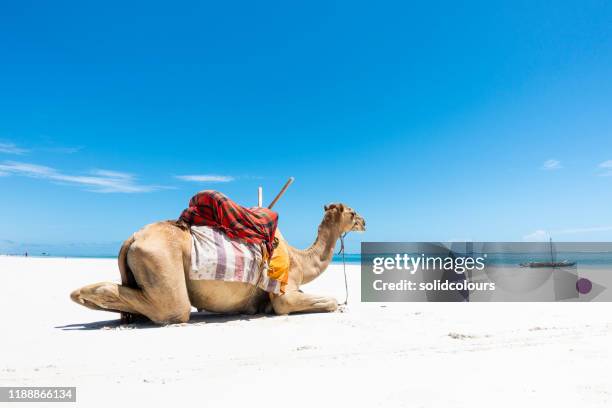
393,354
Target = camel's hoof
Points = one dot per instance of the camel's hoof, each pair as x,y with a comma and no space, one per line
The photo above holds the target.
127,318
333,305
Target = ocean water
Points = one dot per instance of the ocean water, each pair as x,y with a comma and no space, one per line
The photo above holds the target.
581,258
350,258
508,259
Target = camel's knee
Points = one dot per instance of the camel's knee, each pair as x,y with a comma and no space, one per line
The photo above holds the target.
283,305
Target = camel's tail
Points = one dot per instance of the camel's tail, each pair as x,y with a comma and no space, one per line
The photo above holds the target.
127,277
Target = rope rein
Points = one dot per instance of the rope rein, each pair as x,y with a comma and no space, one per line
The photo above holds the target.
344,268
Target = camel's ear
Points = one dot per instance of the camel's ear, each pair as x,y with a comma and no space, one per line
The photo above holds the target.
327,207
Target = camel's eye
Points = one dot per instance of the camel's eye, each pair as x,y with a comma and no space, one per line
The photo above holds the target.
353,214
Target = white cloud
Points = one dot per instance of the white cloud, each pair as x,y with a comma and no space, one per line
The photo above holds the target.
11,148
27,169
537,236
551,164
606,166
112,174
206,178
99,181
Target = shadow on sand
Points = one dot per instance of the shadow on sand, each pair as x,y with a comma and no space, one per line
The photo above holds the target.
196,318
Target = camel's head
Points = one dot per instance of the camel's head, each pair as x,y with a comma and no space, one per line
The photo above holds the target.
348,219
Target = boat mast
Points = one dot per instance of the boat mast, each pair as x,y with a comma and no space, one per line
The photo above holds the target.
552,257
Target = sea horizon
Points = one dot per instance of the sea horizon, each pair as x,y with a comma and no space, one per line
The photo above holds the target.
599,258
353,258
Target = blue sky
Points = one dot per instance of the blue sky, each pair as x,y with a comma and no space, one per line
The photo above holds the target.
435,121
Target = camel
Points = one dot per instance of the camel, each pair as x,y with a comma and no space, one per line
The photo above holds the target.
155,261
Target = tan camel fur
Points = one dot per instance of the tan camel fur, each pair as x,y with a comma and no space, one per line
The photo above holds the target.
155,262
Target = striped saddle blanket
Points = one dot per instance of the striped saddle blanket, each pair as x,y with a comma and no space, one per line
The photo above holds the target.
214,256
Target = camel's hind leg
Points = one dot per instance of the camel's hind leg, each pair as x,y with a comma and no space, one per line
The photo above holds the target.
118,298
108,296
155,258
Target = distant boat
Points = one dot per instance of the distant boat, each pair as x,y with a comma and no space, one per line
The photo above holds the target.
549,264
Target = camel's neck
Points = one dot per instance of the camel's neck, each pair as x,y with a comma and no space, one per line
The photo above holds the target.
314,260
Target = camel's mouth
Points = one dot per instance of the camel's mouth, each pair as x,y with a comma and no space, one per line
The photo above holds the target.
359,225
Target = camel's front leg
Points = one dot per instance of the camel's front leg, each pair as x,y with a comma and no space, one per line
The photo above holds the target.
295,301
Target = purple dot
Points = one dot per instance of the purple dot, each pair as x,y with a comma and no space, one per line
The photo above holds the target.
583,286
